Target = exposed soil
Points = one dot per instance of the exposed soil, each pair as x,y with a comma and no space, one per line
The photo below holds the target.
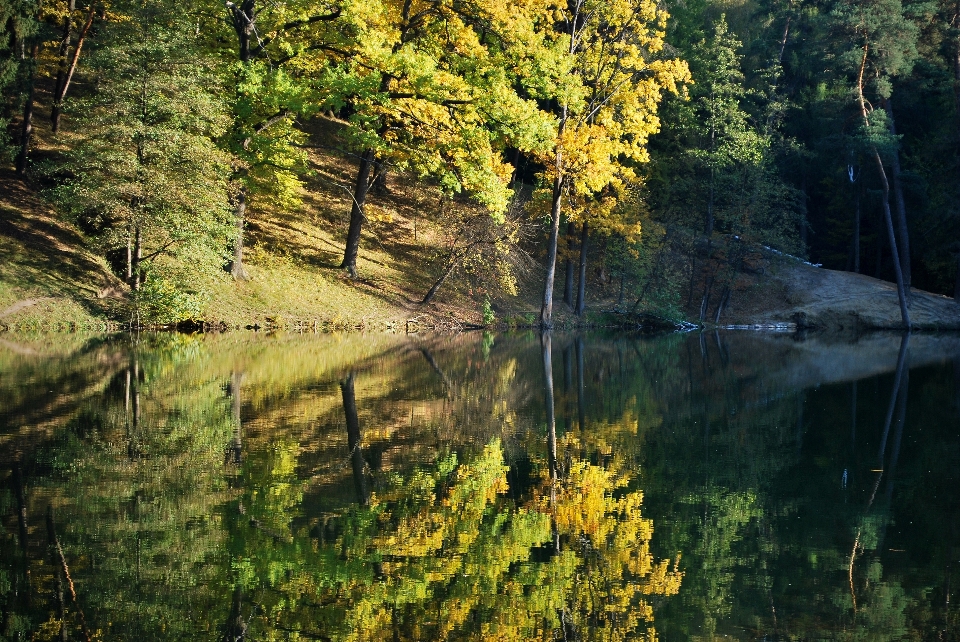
769,289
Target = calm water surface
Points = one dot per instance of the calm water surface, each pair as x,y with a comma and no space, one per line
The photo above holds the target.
481,486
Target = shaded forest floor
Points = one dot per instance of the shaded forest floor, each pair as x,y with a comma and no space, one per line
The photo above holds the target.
51,280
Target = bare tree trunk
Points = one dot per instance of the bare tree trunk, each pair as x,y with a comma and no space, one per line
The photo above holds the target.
357,216
135,267
901,291
708,226
546,310
64,84
64,55
581,285
452,262
26,129
903,234
237,270
568,283
379,185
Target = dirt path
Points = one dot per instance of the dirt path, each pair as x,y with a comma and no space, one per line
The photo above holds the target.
21,304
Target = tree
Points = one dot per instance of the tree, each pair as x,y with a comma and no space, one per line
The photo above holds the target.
601,70
148,176
68,58
19,26
427,90
884,45
271,87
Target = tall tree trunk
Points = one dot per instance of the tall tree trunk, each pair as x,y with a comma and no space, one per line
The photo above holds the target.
360,190
135,267
237,270
26,128
903,234
708,227
64,55
581,285
891,237
888,219
546,310
63,84
568,282
379,185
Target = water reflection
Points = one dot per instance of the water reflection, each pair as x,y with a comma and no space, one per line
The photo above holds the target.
355,488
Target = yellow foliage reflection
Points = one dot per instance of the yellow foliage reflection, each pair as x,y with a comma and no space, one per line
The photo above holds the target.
445,555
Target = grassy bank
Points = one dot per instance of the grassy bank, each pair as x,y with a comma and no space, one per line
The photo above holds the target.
51,279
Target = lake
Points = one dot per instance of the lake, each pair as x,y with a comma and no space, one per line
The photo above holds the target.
480,486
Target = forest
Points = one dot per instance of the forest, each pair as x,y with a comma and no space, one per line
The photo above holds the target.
549,132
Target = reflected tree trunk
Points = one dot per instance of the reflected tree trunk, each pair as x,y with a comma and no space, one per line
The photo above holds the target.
547,349
436,368
581,284
894,396
853,417
581,409
353,440
22,532
567,383
237,270
235,451
133,421
236,628
801,402
898,436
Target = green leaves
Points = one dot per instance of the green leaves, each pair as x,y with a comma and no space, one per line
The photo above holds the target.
147,163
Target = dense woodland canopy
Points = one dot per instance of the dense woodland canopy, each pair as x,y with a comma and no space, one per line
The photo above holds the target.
827,129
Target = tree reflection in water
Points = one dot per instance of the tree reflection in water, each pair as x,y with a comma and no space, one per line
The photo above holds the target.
362,488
